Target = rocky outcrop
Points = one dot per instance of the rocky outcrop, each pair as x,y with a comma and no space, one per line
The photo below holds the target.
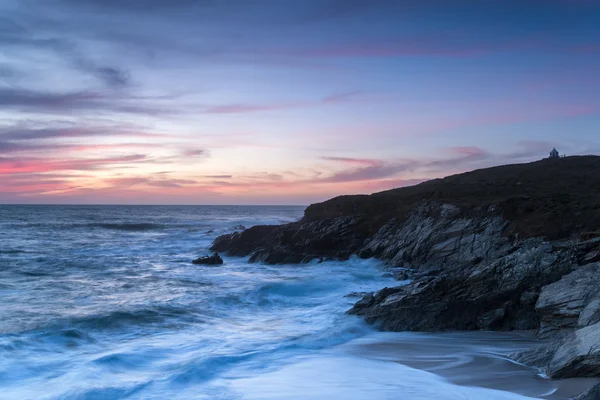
215,259
497,292
569,312
440,236
300,242
571,303
512,247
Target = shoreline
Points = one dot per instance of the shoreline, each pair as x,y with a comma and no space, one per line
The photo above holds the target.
480,359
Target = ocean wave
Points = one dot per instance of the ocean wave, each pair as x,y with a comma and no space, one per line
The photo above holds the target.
141,226
12,251
121,320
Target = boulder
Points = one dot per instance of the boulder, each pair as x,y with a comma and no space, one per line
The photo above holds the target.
215,259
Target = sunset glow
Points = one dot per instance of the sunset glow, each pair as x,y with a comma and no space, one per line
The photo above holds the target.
241,102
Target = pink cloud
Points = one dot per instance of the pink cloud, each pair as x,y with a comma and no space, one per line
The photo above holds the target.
350,160
12,165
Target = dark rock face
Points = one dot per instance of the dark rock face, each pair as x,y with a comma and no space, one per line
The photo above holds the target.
215,259
571,303
569,310
299,242
496,294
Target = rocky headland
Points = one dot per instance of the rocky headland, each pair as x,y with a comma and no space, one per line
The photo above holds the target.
514,247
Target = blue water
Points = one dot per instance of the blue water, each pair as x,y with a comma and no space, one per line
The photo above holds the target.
102,302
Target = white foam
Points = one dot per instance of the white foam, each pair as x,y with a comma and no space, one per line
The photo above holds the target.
352,378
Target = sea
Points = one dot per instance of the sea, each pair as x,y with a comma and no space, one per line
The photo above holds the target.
103,302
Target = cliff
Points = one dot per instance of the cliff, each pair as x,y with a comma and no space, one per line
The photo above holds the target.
503,248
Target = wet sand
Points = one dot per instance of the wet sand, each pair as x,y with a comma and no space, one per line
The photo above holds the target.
476,359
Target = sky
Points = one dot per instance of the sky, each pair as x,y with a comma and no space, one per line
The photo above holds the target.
285,101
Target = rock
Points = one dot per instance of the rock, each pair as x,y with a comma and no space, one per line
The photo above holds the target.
366,301
402,274
435,235
570,303
569,354
491,318
592,393
357,294
592,256
578,355
242,244
495,294
215,259
298,242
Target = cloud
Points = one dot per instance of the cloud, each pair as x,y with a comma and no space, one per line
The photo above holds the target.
16,35
127,182
24,132
52,148
111,76
173,183
246,108
15,165
194,153
374,170
341,97
400,49
69,102
350,160
251,108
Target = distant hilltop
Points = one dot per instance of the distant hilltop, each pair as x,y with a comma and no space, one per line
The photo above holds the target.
554,198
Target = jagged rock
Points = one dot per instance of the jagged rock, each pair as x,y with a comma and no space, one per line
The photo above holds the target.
491,295
365,301
402,274
578,355
244,243
432,234
570,303
215,259
570,315
298,242
568,355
